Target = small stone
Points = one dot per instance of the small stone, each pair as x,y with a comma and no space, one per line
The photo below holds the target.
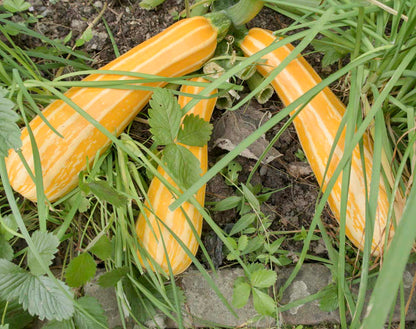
299,169
98,4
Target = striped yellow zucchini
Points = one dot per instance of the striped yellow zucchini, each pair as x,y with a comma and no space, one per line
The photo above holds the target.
151,227
180,49
316,126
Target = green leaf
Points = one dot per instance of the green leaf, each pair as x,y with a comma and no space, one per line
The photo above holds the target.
274,246
85,37
12,278
195,131
243,223
105,192
250,197
95,310
164,116
80,270
263,303
46,245
227,203
254,244
66,324
6,250
9,222
6,326
263,278
232,172
329,300
9,130
15,6
40,296
331,50
242,242
15,316
182,164
103,248
241,292
111,278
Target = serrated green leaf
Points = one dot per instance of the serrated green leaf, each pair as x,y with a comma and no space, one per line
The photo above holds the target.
6,250
263,303
66,324
80,270
15,316
164,116
195,131
111,278
9,130
243,223
274,246
95,310
329,301
12,278
254,244
241,293
40,296
103,248
46,245
15,6
141,307
105,192
182,164
227,203
263,278
242,242
9,222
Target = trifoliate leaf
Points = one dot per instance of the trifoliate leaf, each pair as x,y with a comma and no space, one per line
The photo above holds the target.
111,278
6,250
80,270
9,130
40,296
95,310
263,303
164,116
263,278
241,292
182,164
103,248
105,192
195,131
46,245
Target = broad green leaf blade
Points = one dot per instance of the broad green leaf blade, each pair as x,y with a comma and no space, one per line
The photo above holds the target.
182,164
9,222
12,278
164,116
243,223
46,245
80,270
111,278
105,192
195,131
9,130
263,278
40,296
241,293
6,250
103,248
329,300
95,310
263,303
251,198
228,203
6,326
15,6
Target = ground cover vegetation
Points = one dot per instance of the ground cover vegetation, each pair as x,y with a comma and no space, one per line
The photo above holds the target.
49,249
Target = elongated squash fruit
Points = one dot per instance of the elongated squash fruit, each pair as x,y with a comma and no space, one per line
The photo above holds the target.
316,126
180,49
151,227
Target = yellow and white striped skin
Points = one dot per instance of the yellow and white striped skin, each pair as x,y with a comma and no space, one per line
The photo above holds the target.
316,126
180,49
151,232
